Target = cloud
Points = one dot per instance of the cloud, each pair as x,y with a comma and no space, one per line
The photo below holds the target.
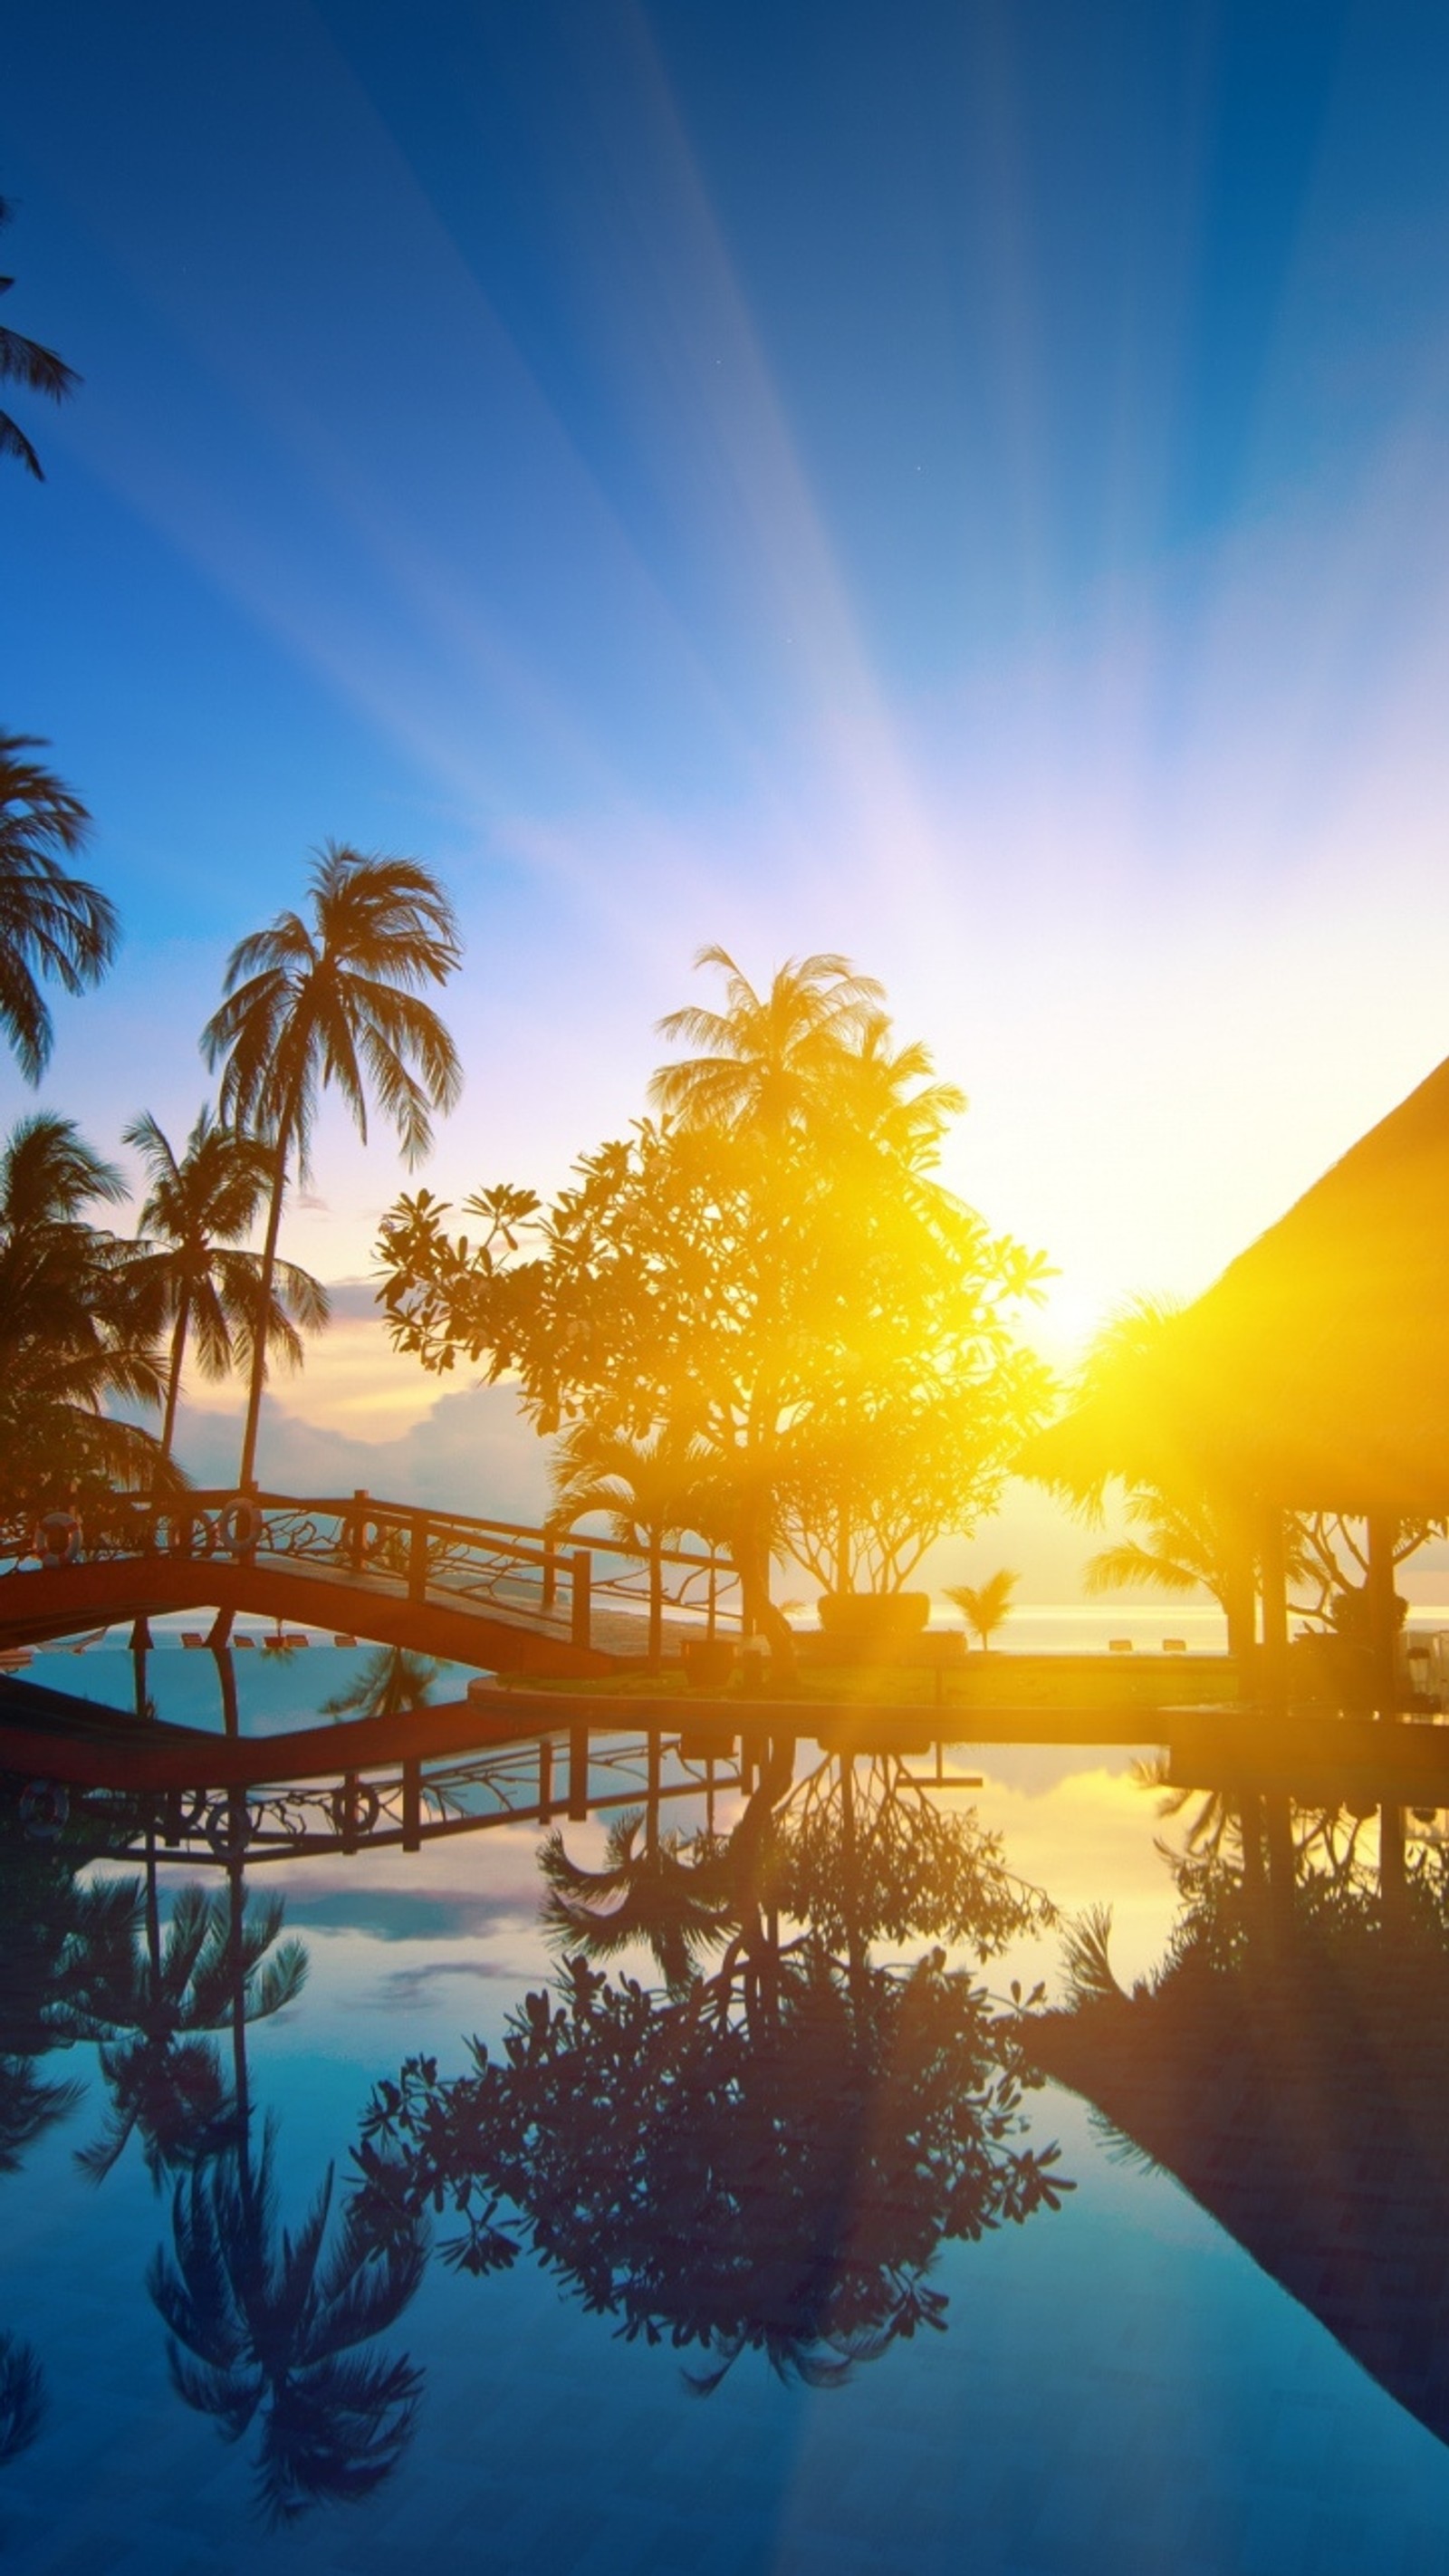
407,1914
470,1452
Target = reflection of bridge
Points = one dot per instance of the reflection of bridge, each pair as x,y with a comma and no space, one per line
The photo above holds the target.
187,1795
496,1594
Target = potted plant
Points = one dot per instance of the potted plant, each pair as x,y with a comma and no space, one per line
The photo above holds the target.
878,1619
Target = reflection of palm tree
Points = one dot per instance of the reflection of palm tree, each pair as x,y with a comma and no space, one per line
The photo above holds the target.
200,1208
390,1681
22,2397
652,1488
164,2078
264,2322
681,1895
336,999
676,1896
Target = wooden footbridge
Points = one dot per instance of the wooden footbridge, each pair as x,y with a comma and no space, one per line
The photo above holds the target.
499,1595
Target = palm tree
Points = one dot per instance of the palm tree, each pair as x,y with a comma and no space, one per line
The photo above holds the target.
51,924
652,1489
27,362
768,1056
75,1324
200,1208
262,2321
335,999
987,1605
892,1098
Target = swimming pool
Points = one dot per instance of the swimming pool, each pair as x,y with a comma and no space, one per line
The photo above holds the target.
781,2229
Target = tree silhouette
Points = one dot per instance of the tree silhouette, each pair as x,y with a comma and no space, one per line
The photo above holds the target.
335,999
986,1606
768,1059
31,364
390,1681
776,2181
653,1489
52,925
153,2000
22,2397
771,1269
76,1326
676,1897
195,1214
265,2323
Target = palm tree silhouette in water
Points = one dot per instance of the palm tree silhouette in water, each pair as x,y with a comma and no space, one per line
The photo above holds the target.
150,2011
264,2323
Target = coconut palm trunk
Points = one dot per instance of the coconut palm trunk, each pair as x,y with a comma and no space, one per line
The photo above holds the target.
173,1384
246,1473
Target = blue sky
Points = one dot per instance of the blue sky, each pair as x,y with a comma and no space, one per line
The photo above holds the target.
965,485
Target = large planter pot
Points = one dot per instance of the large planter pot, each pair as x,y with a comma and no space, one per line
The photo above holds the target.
874,1618
708,1661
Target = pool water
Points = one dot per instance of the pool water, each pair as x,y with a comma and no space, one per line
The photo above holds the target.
757,2238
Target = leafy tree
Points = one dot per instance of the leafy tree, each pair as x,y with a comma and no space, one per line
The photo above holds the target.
194,1217
772,1272
776,2182
77,1327
51,923
986,1606
28,363
336,998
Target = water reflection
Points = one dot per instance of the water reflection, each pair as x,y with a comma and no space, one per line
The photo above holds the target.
1287,2062
267,2324
765,2156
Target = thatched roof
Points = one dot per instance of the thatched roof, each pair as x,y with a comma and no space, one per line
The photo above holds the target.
1315,1373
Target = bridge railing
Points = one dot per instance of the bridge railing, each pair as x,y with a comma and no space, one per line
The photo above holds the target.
548,1577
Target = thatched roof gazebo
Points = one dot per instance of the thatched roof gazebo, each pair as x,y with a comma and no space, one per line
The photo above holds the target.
1314,1375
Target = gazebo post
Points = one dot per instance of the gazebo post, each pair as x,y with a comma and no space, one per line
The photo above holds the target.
1383,1646
1273,1580
1383,1624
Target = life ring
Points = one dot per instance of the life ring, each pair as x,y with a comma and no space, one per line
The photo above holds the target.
189,1533
365,1809
239,1525
229,1829
44,1810
57,1539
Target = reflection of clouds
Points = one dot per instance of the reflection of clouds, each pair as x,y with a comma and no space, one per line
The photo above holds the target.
408,1914
403,1986
1088,1840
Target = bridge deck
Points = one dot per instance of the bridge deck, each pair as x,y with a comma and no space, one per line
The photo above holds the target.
43,1603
